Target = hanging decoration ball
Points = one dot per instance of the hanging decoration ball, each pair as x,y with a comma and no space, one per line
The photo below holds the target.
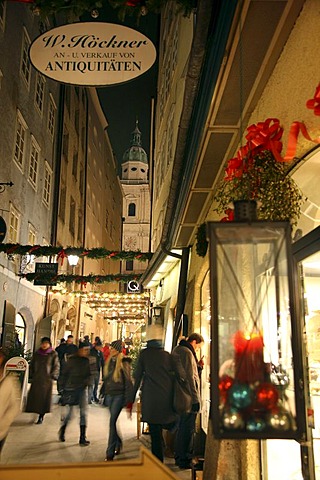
280,378
266,396
280,420
232,420
256,424
225,383
240,395
94,13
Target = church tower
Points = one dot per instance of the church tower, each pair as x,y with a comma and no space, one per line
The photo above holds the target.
136,201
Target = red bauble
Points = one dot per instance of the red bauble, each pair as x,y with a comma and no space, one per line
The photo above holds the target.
133,3
225,383
266,396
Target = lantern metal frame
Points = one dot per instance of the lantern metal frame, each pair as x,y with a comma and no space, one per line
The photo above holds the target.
251,233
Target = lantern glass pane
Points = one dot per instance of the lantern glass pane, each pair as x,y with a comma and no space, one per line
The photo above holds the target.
252,331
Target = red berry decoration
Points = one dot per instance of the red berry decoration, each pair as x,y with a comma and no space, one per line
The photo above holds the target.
267,396
225,383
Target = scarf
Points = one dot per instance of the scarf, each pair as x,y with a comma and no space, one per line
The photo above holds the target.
184,343
40,351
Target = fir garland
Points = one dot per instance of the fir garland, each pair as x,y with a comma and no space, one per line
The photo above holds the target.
81,279
75,8
94,253
202,243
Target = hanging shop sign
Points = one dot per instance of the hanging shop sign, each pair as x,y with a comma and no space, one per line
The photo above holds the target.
92,54
46,274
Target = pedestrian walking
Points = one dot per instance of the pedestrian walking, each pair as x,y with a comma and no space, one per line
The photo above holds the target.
9,400
186,358
65,350
106,351
97,363
44,368
75,380
117,388
154,372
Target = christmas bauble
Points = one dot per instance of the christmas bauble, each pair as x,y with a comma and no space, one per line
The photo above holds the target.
266,396
240,395
94,13
133,3
255,424
232,420
280,420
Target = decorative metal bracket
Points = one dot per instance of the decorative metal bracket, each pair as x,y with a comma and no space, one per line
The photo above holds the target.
3,186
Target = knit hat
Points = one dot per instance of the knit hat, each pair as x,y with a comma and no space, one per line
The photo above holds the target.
117,345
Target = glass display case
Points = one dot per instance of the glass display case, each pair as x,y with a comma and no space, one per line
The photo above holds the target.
256,362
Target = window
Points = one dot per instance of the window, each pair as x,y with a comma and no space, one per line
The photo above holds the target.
62,204
20,142
14,225
46,193
65,144
25,67
80,226
132,210
31,235
72,217
34,163
129,265
20,328
39,94
51,116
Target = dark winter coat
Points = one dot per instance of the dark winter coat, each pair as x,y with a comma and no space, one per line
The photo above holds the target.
185,358
155,372
76,373
44,368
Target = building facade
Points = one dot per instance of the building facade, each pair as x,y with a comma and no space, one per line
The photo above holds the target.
258,66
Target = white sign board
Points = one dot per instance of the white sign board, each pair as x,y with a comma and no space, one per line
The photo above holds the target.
19,367
92,54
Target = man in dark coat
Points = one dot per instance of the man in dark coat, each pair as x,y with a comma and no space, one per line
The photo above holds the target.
155,371
97,359
185,356
65,350
44,368
76,377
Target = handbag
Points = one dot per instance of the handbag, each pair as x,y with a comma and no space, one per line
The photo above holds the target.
71,397
182,400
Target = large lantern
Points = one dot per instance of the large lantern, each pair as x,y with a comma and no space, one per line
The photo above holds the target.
256,379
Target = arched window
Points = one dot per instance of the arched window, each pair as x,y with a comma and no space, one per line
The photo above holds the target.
132,210
20,328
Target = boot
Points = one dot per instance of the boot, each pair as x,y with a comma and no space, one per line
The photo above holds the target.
62,432
83,441
40,419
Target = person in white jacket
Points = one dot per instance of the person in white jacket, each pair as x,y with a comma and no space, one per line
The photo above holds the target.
9,400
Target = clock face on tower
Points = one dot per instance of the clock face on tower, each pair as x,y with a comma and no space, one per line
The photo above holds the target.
130,242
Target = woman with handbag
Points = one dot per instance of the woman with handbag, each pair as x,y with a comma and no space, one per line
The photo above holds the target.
76,377
117,387
44,368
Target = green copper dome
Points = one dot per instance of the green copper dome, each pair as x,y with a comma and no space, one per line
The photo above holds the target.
135,153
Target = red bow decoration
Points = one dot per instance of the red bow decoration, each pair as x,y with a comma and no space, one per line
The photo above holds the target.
62,255
229,215
265,136
314,103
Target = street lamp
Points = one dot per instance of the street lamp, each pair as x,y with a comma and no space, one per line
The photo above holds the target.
73,260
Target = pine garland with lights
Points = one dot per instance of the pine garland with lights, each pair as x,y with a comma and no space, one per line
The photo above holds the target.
94,253
81,279
73,9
